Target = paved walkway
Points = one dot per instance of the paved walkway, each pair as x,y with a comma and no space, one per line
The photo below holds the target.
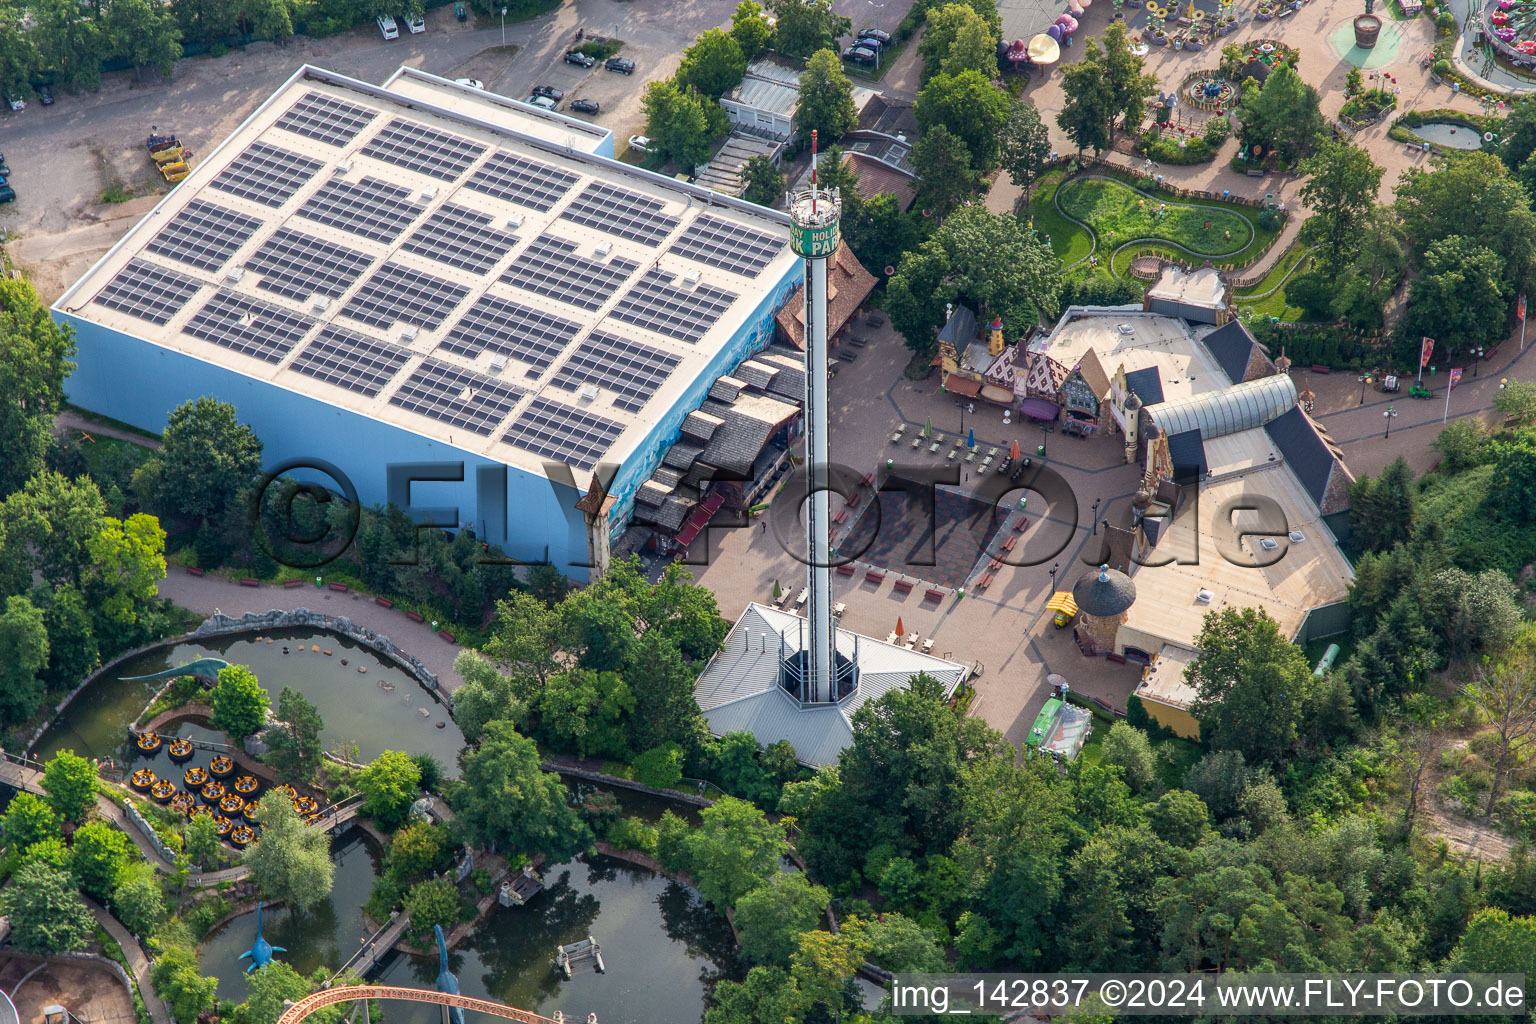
206,595
138,963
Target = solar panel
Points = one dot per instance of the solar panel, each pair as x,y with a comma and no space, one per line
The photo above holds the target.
424,150
523,181
266,174
560,432
351,360
203,235
457,396
627,367
330,120
248,325
398,293
512,330
461,237
656,303
372,208
148,292
621,212
728,245
297,265
551,267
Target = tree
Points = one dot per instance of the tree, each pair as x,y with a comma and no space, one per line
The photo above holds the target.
1282,115
1459,297
1340,190
208,457
804,26
137,900
714,64
1383,509
584,710
1516,402
943,164
23,655
292,863
48,525
880,232
898,943
734,850
916,294
1128,87
295,736
70,783
969,105
1128,748
200,839
72,649
974,49
1001,267
417,849
761,182
770,917
36,355
751,30
29,819
205,21
390,783
143,32
69,41
486,694
99,853
1513,483
680,123
768,995
1253,686
1495,942
826,99
1089,112
177,981
239,703
47,915
946,26
1025,145
509,803
824,963
1505,698
127,564
432,902
1179,817
273,988
1473,197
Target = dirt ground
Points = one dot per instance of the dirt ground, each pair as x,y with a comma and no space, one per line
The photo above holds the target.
88,990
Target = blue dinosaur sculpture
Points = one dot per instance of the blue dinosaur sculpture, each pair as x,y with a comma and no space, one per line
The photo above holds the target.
203,668
446,982
261,952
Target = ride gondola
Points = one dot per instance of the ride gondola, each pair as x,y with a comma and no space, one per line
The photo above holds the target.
180,751
162,791
213,792
183,803
242,836
147,742
142,779
247,785
200,811
195,778
252,811
306,806
288,791
232,805
224,825
221,767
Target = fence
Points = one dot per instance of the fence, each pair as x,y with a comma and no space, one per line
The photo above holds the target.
614,780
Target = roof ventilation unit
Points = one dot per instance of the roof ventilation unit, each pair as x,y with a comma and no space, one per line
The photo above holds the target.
1204,596
428,194
588,392
320,303
514,220
234,274
602,249
1269,543
408,333
498,363
1297,536
691,278
343,166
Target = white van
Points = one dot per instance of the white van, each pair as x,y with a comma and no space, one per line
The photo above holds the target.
387,27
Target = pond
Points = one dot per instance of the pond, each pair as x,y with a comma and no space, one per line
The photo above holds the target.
378,710
663,947
1452,136
326,934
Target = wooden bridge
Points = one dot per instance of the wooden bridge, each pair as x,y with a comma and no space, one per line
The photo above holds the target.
351,993
372,951
21,773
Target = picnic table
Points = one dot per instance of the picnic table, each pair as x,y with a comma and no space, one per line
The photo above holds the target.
805,592
934,594
905,586
846,569
839,608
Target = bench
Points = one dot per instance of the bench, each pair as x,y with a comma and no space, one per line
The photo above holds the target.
874,575
983,581
248,582
1009,543
383,602
340,588
934,594
448,636
193,570
995,564
1317,368
846,569
842,515
1021,525
851,500
290,584
905,586
416,616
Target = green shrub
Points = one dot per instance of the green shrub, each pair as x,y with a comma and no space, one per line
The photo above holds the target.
633,834
906,28
217,50
661,768
1270,220
601,49
1441,67
1216,131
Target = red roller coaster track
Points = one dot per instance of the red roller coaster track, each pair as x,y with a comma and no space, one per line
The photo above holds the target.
331,996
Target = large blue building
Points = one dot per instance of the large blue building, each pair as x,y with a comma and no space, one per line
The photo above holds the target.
461,303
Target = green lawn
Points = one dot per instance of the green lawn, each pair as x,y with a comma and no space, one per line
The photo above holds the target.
1069,242
1118,214
1274,305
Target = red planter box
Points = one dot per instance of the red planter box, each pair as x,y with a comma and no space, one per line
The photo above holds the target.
846,569
934,595
384,602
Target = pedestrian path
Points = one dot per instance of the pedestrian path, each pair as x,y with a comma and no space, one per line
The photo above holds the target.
138,963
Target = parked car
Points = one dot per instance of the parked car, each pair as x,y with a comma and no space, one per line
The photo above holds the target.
387,27
15,102
473,83
45,96
416,25
549,91
860,55
640,142
580,59
7,194
4,170
623,65
585,106
884,38
542,101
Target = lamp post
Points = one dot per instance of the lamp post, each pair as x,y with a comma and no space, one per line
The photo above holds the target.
1054,567
503,26
1477,357
1096,516
1389,414
1043,431
1364,379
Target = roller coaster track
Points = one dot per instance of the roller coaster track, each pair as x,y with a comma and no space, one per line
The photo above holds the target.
351,993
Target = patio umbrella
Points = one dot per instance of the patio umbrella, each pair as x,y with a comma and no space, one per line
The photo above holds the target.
1056,680
1053,33
970,439
1045,48
900,629
1013,452
1068,23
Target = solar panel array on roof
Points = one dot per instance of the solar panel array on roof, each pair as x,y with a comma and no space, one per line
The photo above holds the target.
728,245
657,304
627,367
560,432
248,325
621,212
203,235
351,360
266,174
425,150
327,119
372,208
461,237
457,396
398,293
148,292
297,265
519,180
512,330
551,267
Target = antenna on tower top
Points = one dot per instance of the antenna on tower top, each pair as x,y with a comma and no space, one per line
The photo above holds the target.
813,170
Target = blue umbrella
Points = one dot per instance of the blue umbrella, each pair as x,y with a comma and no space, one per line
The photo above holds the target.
970,439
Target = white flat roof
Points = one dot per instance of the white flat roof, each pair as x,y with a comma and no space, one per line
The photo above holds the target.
768,86
410,256
552,126
1184,366
1202,287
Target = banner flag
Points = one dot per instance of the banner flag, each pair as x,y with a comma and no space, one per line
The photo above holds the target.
1427,352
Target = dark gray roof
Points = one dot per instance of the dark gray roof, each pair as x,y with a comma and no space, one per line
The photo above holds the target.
699,425
960,328
1187,451
1146,384
681,455
726,389
1317,467
1232,346
1104,592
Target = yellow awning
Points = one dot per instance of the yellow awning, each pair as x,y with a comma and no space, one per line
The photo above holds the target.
1062,601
